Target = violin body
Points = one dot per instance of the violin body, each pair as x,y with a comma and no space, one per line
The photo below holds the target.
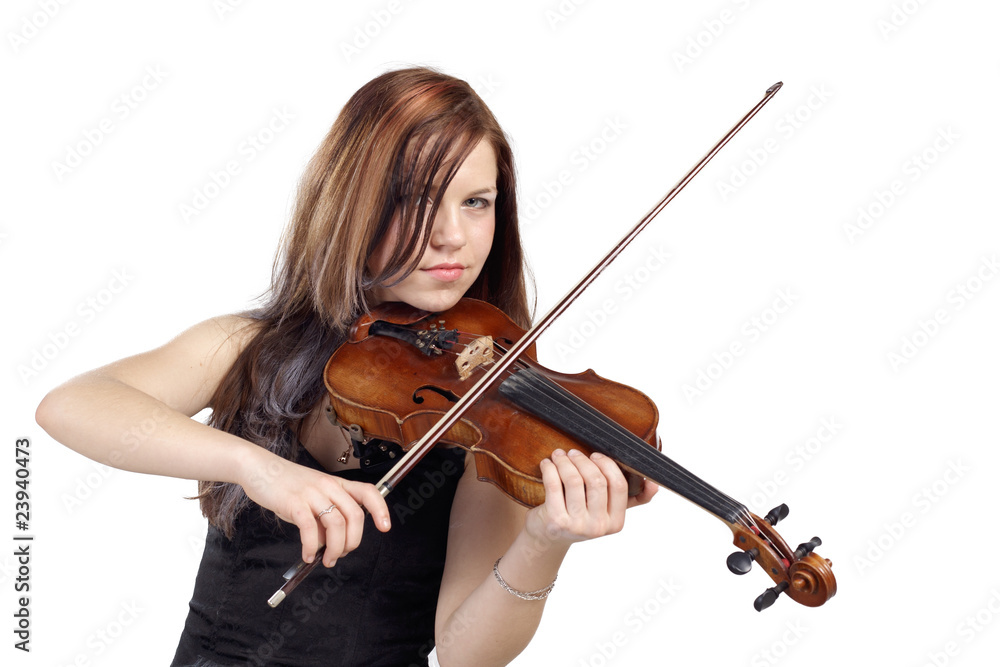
402,369
396,392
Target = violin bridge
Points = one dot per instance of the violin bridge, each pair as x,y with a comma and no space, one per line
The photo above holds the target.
475,354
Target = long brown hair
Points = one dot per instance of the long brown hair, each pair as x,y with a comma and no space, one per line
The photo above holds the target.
395,146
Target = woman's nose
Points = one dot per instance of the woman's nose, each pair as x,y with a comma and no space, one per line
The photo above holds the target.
448,230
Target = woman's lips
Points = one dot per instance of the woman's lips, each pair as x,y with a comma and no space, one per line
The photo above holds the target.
446,272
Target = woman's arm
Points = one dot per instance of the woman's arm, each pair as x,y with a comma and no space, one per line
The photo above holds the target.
134,414
480,623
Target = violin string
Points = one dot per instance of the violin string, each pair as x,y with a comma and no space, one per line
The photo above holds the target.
646,457
703,493
685,482
650,455
738,513
614,434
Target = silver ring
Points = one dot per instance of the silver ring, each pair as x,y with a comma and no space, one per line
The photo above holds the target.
327,510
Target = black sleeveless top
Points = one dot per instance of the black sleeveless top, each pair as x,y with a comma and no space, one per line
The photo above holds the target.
374,608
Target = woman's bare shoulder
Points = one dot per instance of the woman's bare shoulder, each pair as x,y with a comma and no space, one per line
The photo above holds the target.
215,341
185,371
222,334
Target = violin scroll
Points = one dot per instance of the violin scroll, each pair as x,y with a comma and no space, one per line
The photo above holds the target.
812,581
804,576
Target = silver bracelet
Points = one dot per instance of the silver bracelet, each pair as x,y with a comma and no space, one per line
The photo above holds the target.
540,594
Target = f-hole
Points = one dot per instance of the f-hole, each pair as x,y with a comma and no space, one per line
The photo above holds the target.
446,393
507,343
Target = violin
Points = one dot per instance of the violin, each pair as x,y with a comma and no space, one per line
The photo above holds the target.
470,377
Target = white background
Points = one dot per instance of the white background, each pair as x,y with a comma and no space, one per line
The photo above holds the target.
647,88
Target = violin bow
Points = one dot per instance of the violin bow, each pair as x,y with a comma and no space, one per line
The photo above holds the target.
419,449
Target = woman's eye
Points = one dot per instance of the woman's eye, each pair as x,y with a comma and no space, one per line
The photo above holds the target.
476,202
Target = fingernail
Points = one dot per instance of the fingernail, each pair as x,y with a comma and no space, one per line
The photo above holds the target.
558,452
575,452
596,455
385,522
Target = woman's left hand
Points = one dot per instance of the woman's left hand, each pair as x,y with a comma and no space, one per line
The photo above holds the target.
585,497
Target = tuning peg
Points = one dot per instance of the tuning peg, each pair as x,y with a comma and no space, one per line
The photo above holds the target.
777,514
767,598
741,561
807,548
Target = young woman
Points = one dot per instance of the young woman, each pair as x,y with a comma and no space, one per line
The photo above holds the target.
411,198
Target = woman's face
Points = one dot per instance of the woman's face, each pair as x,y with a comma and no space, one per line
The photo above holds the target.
460,240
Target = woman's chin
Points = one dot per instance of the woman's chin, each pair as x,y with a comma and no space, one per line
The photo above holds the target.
432,304
437,303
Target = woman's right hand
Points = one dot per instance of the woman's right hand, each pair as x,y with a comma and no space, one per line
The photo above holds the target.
135,414
300,495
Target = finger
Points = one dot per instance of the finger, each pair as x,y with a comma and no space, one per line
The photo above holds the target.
554,499
649,489
617,490
595,487
353,525
574,489
309,532
367,496
334,526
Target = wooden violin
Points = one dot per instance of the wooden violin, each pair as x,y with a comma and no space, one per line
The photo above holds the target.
470,377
